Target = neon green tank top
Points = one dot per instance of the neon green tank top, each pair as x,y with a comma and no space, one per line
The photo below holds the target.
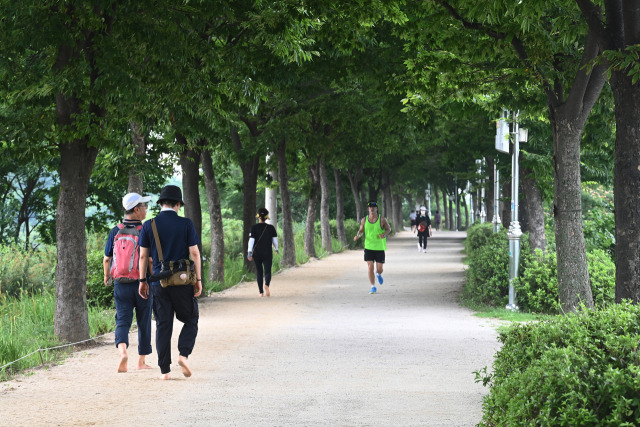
372,240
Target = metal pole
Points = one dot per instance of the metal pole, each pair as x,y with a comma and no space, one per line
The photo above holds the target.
496,197
514,232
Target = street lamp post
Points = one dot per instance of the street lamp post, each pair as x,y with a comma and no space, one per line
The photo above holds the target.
515,232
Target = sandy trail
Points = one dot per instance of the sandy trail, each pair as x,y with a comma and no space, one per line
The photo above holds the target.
320,352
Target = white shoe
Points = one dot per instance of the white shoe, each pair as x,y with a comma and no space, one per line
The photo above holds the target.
419,248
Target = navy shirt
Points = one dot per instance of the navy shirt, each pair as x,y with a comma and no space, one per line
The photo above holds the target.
176,235
108,248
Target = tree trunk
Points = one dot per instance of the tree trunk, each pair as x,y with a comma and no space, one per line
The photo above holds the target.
627,186
397,213
505,215
216,256
463,202
136,184
77,158
190,165
489,192
532,203
450,220
312,207
288,242
388,203
342,235
249,167
354,183
573,277
325,195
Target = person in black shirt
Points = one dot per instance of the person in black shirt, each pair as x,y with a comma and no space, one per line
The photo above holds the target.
261,237
423,228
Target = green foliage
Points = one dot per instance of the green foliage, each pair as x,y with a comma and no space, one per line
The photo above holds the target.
26,271
602,272
577,369
488,272
537,286
98,295
351,228
26,324
598,218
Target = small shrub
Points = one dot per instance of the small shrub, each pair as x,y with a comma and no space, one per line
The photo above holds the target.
577,369
98,295
537,286
26,272
488,272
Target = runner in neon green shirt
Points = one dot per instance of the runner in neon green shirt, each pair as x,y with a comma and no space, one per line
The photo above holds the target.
376,229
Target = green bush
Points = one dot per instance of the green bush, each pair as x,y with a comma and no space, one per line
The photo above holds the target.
26,271
602,272
477,236
537,286
488,273
578,369
98,295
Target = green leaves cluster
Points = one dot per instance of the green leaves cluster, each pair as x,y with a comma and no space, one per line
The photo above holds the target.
579,369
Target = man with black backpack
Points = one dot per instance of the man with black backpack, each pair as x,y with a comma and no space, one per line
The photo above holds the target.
121,261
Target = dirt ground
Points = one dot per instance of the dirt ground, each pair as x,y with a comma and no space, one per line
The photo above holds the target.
321,351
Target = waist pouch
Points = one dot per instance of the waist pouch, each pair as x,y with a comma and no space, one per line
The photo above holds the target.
176,273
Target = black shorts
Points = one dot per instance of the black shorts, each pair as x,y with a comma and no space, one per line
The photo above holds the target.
377,256
413,222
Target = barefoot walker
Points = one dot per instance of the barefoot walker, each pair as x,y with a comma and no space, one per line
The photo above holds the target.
261,238
376,229
120,263
172,242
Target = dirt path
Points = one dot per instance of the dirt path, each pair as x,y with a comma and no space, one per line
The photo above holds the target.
320,352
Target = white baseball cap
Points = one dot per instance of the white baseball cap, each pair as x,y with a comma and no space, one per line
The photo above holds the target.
131,200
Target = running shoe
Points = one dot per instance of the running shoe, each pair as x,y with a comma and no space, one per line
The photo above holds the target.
373,290
379,276
419,248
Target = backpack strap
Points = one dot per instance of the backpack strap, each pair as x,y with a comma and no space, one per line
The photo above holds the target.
155,235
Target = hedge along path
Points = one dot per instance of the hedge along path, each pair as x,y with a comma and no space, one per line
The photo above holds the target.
320,351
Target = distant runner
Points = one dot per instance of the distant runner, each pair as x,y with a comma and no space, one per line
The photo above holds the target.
376,229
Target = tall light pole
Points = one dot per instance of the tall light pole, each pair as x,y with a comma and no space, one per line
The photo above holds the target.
515,232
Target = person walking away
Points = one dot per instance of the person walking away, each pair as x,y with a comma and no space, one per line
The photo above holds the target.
121,254
178,241
412,217
423,229
437,220
376,229
262,237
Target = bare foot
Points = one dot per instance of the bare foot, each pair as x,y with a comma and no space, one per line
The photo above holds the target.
261,295
266,290
122,366
182,361
166,376
142,363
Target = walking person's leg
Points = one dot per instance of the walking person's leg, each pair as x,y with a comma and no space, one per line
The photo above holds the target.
124,317
267,263
186,306
163,312
143,319
257,259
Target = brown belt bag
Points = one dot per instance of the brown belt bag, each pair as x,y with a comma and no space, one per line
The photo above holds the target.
173,273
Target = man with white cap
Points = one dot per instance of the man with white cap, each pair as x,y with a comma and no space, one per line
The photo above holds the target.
120,263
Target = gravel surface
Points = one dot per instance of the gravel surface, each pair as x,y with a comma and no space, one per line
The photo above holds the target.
321,351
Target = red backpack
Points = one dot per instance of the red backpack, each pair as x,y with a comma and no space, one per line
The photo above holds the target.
126,253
